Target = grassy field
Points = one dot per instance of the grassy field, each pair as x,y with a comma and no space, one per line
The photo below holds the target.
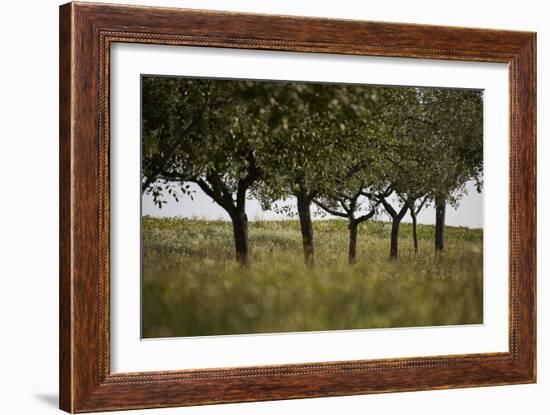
192,287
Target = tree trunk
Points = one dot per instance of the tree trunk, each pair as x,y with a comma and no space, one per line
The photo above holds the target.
352,226
394,238
440,224
415,234
240,232
304,213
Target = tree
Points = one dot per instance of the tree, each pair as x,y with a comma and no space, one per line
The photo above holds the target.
220,153
348,205
299,171
404,172
453,122
300,119
172,109
414,210
354,166
434,148
317,138
344,148
412,181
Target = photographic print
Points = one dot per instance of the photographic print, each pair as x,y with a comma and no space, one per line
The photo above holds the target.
278,206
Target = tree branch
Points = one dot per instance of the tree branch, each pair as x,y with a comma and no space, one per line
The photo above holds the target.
389,208
421,205
367,216
168,154
403,211
214,187
329,210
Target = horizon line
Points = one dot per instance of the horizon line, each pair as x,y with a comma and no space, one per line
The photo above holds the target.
292,219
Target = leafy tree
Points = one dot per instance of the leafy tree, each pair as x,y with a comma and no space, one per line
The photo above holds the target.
452,121
172,109
348,206
403,173
220,154
300,145
344,148
319,140
434,148
354,166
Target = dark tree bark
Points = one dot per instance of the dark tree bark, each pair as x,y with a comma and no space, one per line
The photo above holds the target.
440,205
394,247
397,217
240,233
414,211
217,189
348,205
415,234
306,226
352,226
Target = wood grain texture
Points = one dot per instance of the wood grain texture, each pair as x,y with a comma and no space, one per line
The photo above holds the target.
86,33
65,247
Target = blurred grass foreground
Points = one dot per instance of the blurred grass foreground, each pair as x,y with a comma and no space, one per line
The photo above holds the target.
191,285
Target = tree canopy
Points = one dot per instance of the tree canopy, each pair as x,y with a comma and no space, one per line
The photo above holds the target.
350,150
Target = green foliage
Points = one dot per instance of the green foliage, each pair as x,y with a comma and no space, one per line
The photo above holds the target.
191,285
202,131
432,144
171,113
346,148
448,132
310,137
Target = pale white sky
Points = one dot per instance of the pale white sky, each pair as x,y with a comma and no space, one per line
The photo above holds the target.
469,213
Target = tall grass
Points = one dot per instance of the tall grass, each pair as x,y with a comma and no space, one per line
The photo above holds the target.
191,285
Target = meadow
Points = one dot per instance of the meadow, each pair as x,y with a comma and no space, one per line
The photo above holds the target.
191,285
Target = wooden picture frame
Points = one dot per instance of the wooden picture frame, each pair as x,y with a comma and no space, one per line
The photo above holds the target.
86,33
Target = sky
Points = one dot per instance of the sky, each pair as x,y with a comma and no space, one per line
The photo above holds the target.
469,213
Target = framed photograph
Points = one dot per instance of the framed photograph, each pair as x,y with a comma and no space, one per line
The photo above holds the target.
258,207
